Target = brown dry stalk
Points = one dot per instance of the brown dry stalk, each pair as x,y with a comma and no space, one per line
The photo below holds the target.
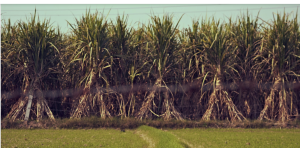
48,111
276,104
17,108
147,104
122,106
218,102
249,104
169,108
39,109
87,104
131,100
103,110
82,108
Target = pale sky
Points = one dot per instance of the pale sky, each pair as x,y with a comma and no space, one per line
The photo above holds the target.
59,13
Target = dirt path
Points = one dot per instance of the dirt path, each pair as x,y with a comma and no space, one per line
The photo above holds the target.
146,138
186,142
152,143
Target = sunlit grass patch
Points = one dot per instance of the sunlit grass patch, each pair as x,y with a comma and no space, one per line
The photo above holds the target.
236,137
162,139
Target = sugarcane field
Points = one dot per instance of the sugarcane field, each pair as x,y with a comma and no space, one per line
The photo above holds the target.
111,82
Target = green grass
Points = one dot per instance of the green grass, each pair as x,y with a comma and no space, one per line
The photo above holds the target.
240,137
146,136
162,139
70,138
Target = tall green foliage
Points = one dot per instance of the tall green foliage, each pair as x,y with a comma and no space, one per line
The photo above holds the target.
154,70
91,56
38,59
161,35
248,39
281,47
